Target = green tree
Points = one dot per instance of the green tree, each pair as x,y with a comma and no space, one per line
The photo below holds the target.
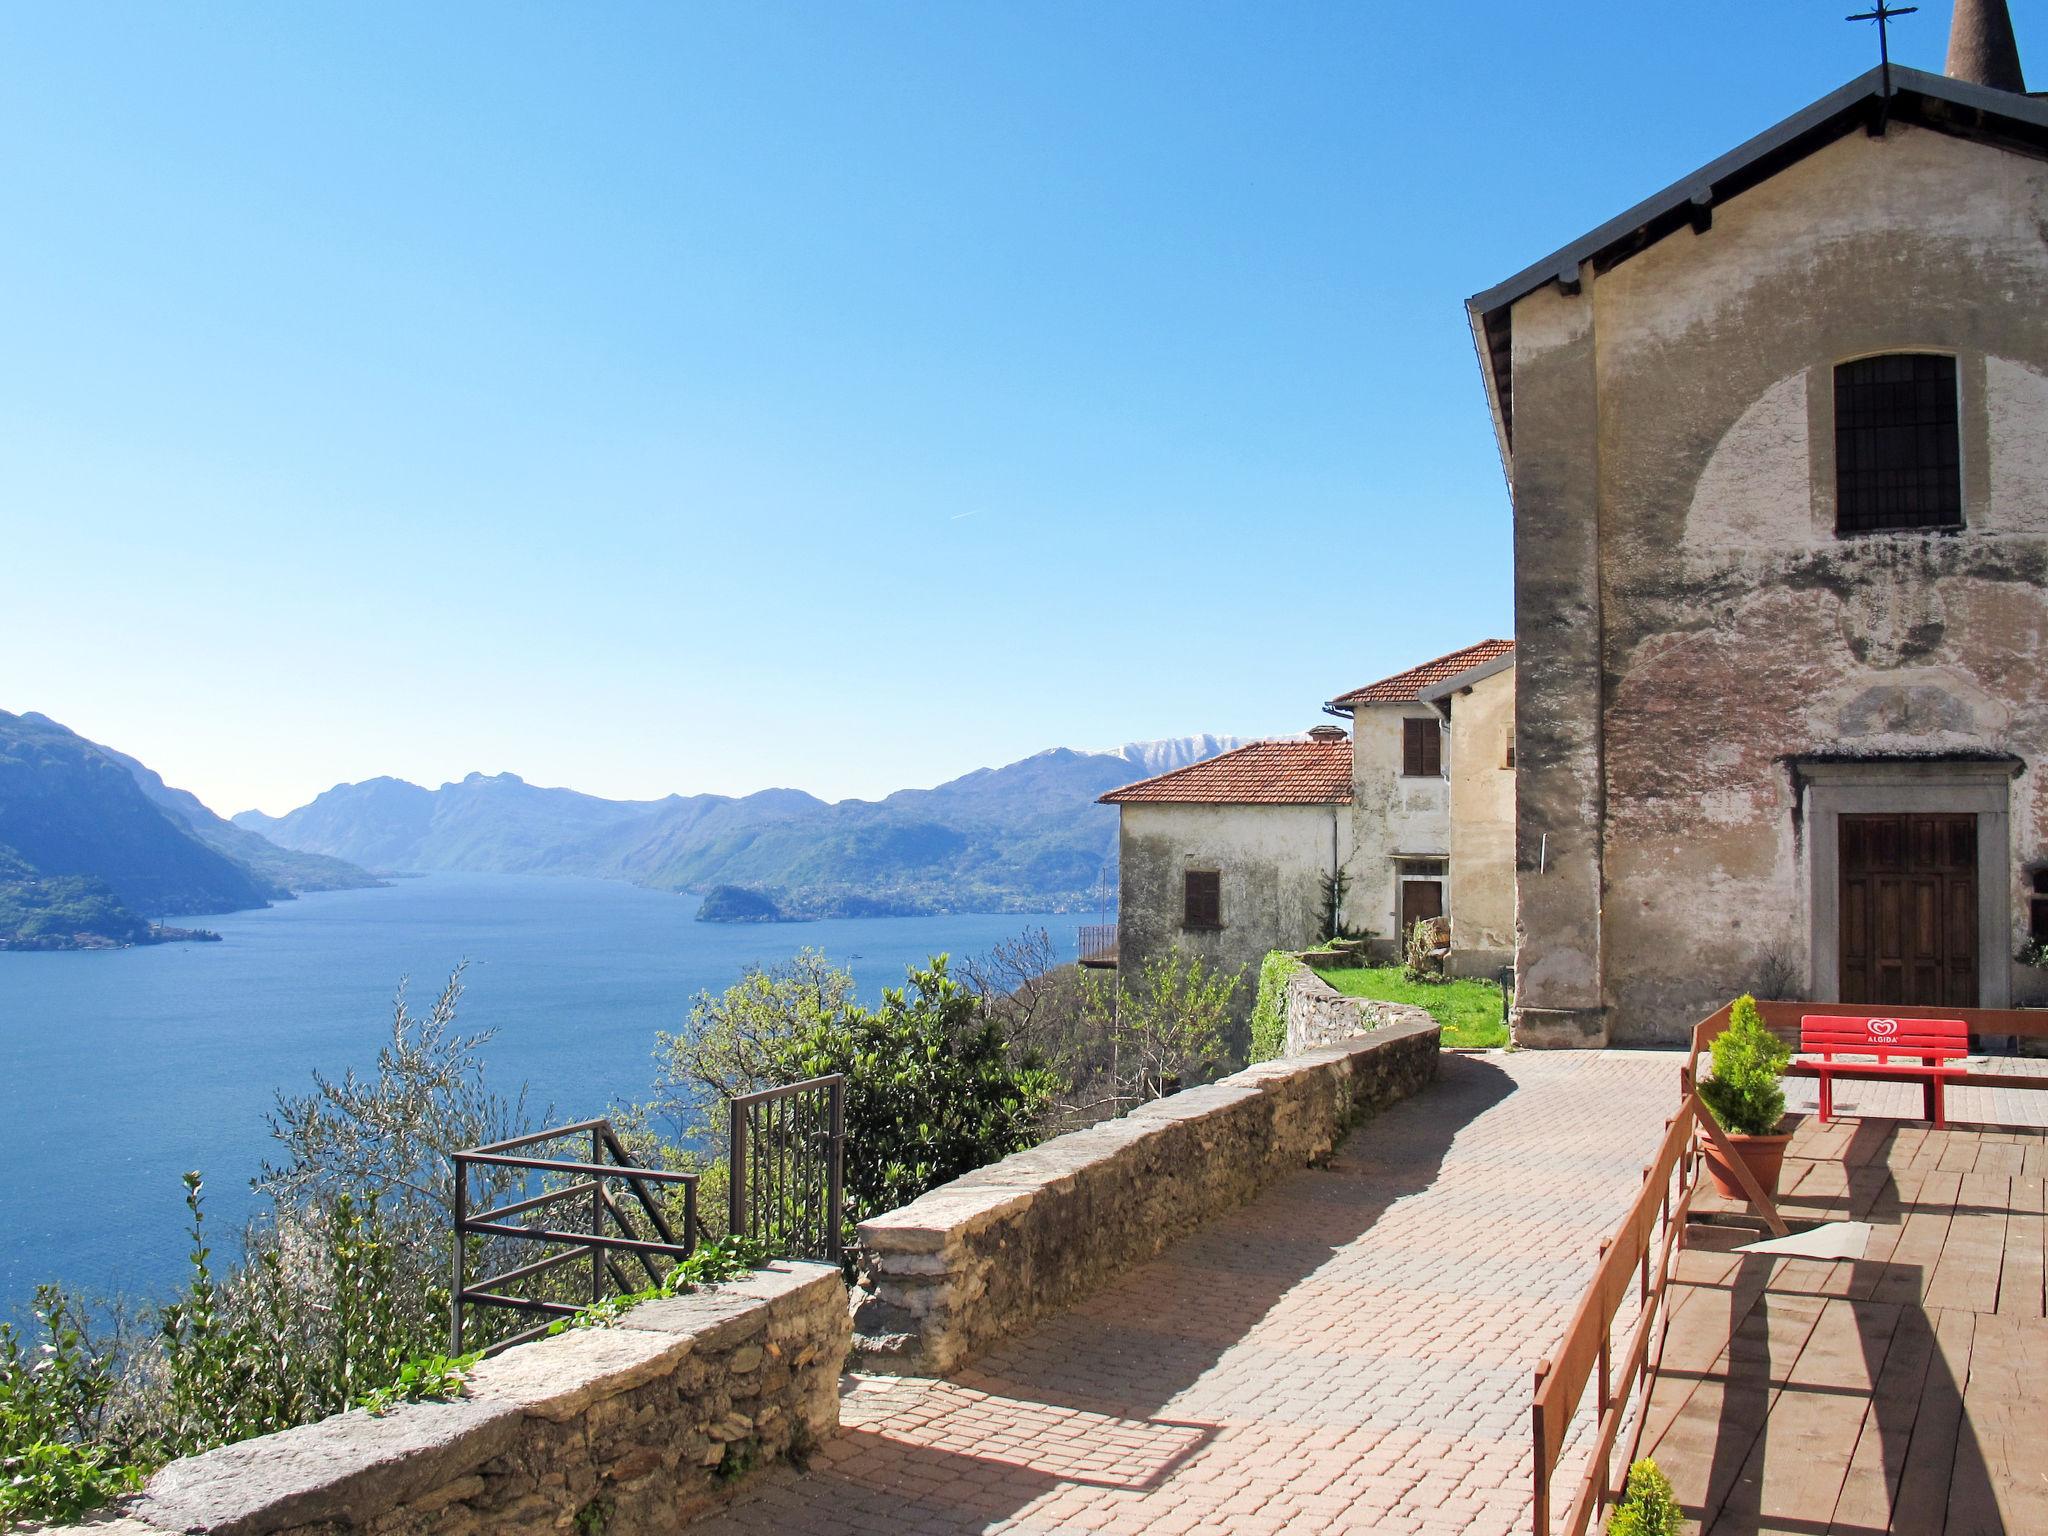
1171,1024
934,1088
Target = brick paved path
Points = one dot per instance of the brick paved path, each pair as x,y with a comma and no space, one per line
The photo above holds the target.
1351,1352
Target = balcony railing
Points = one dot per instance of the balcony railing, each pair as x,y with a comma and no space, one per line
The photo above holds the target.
1098,944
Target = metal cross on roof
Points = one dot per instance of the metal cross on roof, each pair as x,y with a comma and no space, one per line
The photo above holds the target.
1882,14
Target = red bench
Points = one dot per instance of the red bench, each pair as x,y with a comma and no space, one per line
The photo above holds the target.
1928,1044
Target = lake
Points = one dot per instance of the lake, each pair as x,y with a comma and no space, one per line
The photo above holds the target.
120,1070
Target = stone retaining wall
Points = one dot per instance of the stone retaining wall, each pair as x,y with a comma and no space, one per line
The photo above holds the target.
613,1431
979,1259
1318,1014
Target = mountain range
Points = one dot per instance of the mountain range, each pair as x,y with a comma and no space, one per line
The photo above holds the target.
1023,837
94,847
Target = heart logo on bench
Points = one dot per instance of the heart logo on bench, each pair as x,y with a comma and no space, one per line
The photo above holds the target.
1884,1029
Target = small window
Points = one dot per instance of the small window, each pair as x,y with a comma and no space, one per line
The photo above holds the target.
1507,756
1201,899
1898,464
1422,750
2038,918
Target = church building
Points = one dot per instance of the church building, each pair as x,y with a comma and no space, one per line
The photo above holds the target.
1777,439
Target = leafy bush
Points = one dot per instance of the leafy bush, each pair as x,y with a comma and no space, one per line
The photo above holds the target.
2034,954
322,1315
933,1090
1421,962
1744,1093
1269,1012
1171,1022
54,1399
1648,1506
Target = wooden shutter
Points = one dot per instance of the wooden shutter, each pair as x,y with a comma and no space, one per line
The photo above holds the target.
1422,749
1201,904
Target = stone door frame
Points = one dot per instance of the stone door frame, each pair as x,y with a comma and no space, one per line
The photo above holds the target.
1829,791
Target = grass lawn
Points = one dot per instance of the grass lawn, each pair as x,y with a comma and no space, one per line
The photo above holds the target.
1468,1010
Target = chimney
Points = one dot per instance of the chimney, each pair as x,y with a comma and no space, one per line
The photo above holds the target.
1981,47
1328,733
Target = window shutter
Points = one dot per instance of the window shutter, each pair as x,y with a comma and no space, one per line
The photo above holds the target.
1422,749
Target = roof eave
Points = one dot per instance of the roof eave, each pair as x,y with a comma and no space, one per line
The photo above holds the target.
1466,678
1826,120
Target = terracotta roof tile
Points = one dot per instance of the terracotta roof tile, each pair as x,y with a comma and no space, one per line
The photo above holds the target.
1264,773
1405,687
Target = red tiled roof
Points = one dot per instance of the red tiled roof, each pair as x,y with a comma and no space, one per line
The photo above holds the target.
1405,687
1264,773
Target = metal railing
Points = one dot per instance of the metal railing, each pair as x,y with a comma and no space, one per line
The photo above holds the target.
787,1175
1098,944
602,1232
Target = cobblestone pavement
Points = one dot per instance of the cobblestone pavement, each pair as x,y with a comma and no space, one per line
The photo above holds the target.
1351,1352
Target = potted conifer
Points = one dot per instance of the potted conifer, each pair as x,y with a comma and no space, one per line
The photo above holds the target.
1745,1096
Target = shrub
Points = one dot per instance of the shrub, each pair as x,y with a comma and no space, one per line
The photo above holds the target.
54,1400
1744,1093
1171,1019
1648,1506
1269,1013
1421,961
933,1087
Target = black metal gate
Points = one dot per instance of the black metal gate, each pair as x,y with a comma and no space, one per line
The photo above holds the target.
606,1212
788,1168
626,1246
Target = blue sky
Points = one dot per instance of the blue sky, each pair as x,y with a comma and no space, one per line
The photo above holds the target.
685,397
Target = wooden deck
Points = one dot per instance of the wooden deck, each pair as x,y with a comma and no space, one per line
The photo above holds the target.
1904,1391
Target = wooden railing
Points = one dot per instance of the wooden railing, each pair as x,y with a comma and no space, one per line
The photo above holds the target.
1643,1250
1639,1256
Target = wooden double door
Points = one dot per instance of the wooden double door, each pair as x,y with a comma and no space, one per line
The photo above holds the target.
1909,910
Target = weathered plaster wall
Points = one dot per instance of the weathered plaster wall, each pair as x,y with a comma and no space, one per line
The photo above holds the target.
1390,813
621,1430
1690,628
1482,797
1559,783
978,1260
1272,859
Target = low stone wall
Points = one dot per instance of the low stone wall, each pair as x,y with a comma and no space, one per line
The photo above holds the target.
623,1430
1318,1014
981,1258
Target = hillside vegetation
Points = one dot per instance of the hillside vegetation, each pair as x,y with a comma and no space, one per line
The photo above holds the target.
94,846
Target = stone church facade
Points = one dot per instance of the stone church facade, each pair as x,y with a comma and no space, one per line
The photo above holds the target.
1778,447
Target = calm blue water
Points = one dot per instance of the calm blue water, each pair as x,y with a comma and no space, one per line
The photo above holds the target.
119,1070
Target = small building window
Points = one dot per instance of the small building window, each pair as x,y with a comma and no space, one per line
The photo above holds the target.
2037,924
1507,756
1422,750
1898,464
1201,899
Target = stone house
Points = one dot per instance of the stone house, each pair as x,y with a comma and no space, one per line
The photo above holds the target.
1232,857
1432,797
1777,440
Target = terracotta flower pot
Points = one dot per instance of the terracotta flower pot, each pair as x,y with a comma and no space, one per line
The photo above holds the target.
1764,1156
